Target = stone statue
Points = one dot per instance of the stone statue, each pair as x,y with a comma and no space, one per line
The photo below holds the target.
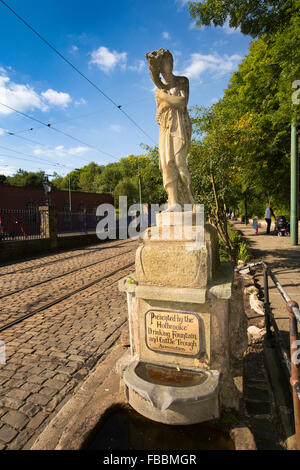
175,128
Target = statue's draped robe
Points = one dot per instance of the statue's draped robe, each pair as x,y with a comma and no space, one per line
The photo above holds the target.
174,140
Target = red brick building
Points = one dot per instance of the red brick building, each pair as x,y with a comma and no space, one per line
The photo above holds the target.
13,197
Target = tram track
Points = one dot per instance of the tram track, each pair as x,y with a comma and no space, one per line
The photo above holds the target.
61,299
56,333
66,258
62,275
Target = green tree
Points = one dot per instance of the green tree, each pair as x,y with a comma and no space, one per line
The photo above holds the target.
153,191
127,187
254,17
3,180
213,168
107,180
251,123
87,176
27,179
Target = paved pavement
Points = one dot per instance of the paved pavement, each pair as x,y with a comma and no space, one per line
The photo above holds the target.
284,260
49,354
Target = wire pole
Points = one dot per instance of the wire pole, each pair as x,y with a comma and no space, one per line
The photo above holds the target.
140,189
294,185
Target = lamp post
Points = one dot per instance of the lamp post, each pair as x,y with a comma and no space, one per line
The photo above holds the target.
47,189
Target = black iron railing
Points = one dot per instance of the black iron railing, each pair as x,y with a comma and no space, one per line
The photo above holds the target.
73,222
293,363
16,224
81,222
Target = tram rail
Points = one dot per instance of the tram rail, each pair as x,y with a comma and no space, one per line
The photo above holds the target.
17,291
66,258
64,297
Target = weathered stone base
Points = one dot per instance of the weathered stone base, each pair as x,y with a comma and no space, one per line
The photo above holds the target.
173,405
73,425
186,313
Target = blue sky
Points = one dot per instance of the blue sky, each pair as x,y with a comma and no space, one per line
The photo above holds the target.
107,41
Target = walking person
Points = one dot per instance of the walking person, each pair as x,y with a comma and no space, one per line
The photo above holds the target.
255,225
268,214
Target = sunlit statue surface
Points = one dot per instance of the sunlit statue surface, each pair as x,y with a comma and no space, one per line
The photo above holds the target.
172,97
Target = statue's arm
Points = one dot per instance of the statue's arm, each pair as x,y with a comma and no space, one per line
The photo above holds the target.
173,100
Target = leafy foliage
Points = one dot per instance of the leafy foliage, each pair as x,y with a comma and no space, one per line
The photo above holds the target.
242,145
254,17
24,178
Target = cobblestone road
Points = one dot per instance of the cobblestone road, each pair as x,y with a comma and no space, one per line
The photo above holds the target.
50,353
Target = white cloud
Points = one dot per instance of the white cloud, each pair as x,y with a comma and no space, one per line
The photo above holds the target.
2,131
77,150
177,53
138,67
60,151
182,3
193,25
7,170
21,97
24,97
166,35
57,98
220,43
107,60
228,30
115,128
80,101
213,63
74,49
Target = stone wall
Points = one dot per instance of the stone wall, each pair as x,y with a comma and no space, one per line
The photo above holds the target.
13,250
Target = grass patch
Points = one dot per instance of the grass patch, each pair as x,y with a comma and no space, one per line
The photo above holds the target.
240,247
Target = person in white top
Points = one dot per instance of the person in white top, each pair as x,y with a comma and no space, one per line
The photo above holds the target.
268,214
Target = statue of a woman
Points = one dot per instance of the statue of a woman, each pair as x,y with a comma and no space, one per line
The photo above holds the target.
175,128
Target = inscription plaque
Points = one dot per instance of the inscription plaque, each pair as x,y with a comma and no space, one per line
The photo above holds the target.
174,332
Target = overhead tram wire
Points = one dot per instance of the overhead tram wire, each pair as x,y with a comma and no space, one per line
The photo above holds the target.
58,130
74,118
32,157
60,122
119,107
26,160
13,134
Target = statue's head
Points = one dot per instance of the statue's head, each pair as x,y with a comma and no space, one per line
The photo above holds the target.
160,62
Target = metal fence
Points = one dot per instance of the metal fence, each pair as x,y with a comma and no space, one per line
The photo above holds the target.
80,222
272,331
76,222
18,224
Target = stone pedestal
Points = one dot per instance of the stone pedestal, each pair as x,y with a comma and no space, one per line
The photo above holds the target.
184,315
48,217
